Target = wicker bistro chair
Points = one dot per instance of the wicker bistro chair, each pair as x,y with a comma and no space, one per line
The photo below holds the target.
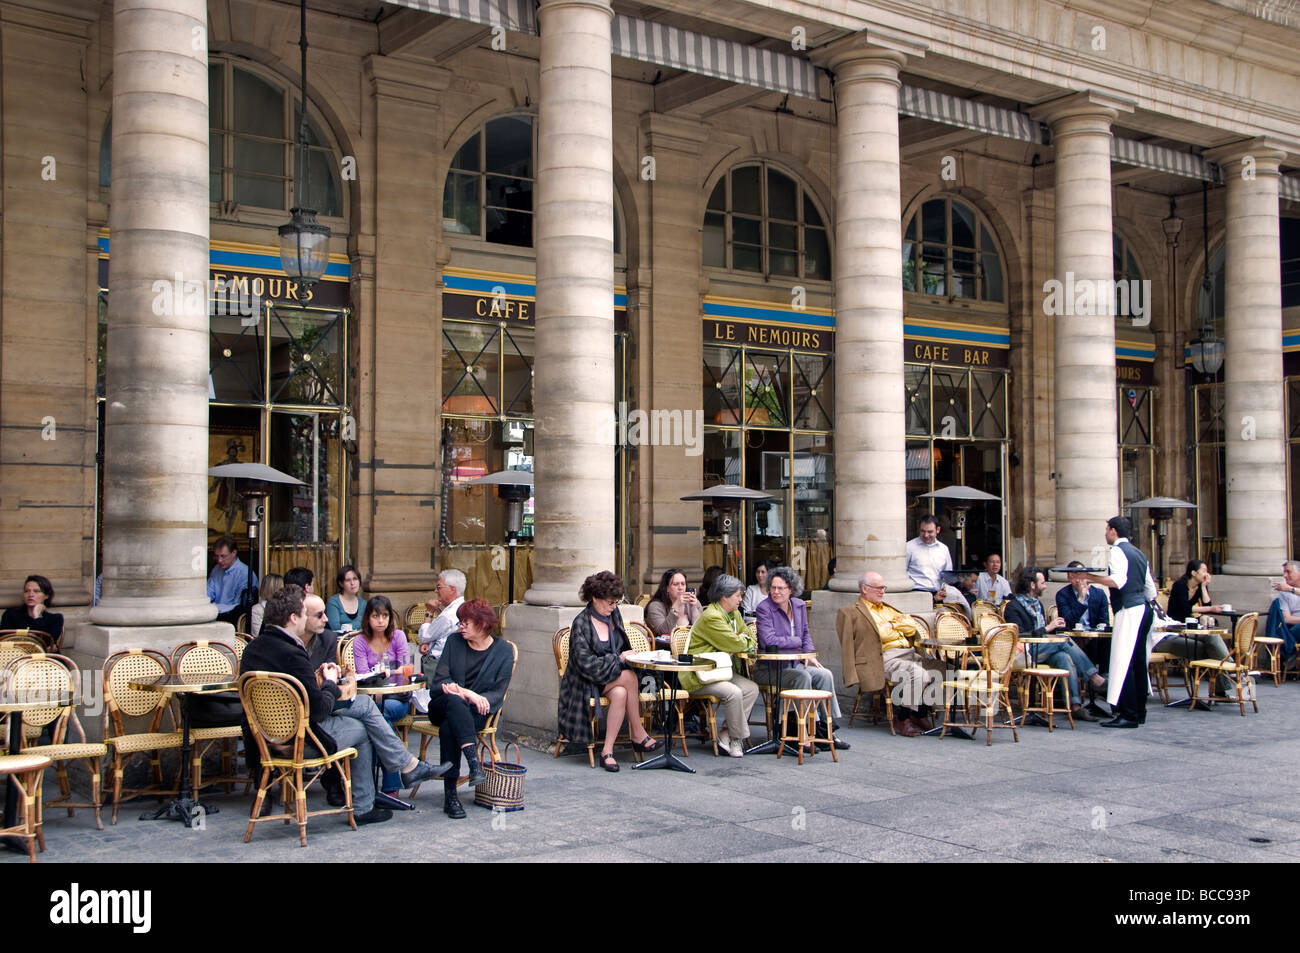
679,641
487,735
209,661
343,650
1158,669
121,702
1273,646
1236,666
560,646
981,609
277,707
27,770
13,648
415,616
40,674
990,685
241,642
42,640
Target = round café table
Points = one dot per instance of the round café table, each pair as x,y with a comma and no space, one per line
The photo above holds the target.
667,671
772,744
17,703
392,684
185,806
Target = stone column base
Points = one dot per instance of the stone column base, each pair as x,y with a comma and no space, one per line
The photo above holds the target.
535,689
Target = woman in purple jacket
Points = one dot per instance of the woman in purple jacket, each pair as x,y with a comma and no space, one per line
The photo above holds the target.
783,627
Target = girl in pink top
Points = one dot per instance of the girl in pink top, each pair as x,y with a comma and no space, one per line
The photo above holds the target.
381,641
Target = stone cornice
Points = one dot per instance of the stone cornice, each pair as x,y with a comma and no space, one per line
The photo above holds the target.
874,41
1263,149
1089,103
69,18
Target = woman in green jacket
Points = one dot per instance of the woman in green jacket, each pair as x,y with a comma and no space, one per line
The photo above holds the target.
721,628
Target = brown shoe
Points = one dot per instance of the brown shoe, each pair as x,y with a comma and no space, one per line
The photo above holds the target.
923,722
906,728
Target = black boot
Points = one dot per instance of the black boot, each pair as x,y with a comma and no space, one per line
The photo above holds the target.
451,806
476,775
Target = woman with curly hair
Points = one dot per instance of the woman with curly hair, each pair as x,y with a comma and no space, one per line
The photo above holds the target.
598,646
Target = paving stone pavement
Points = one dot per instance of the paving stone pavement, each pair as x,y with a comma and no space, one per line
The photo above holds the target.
1189,787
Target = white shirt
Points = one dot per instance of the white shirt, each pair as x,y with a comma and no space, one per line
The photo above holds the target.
925,563
1117,570
434,634
993,588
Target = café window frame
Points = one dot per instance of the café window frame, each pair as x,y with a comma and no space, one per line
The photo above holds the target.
949,251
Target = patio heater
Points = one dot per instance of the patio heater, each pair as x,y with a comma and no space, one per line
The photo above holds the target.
960,499
725,498
1161,510
253,484
514,487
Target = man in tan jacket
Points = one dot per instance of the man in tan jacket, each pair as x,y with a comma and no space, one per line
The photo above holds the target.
876,644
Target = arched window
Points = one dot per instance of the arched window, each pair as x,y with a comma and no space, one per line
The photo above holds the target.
254,162
253,159
489,189
949,251
760,220
1212,302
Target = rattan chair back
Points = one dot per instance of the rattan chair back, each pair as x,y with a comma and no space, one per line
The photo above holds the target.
241,642
1000,646
643,600
639,636
36,637
344,649
560,646
414,618
924,630
120,699
11,652
679,640
951,627
40,675
988,622
204,661
277,706
1243,638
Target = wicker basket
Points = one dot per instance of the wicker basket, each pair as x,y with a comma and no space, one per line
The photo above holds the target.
504,788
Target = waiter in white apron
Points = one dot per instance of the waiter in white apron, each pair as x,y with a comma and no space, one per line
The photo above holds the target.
1132,590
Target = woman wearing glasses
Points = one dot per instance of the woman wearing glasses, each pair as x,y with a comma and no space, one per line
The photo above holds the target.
468,687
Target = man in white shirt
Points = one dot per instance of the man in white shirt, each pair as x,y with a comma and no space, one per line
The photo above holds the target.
440,618
1128,577
991,585
927,558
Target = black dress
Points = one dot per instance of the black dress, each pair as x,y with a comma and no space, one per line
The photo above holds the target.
1181,600
51,623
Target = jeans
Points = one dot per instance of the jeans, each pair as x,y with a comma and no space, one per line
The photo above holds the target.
1276,627
361,725
804,676
1068,656
393,710
458,725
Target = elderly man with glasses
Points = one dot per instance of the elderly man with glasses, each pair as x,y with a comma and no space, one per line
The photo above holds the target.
440,618
876,641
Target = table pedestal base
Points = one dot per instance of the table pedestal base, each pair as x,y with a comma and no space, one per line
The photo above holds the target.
393,803
953,731
183,809
771,746
665,760
1201,704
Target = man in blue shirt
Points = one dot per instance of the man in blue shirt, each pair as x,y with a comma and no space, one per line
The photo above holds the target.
228,580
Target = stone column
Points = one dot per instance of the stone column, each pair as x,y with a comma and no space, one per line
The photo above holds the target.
669,376
1087,449
1255,415
155,469
573,232
870,422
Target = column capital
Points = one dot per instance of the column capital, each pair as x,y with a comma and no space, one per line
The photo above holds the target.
546,6
674,133
395,78
1089,104
1268,154
872,44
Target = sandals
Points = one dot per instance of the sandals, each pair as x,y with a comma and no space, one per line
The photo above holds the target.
608,763
648,745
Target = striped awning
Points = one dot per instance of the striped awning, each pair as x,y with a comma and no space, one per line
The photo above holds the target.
1162,159
669,46
1289,188
518,16
964,114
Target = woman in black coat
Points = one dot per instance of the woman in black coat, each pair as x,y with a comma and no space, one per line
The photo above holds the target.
598,646
468,686
1189,595
34,614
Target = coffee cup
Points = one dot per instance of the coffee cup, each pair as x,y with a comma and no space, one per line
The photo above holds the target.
1078,626
1227,607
